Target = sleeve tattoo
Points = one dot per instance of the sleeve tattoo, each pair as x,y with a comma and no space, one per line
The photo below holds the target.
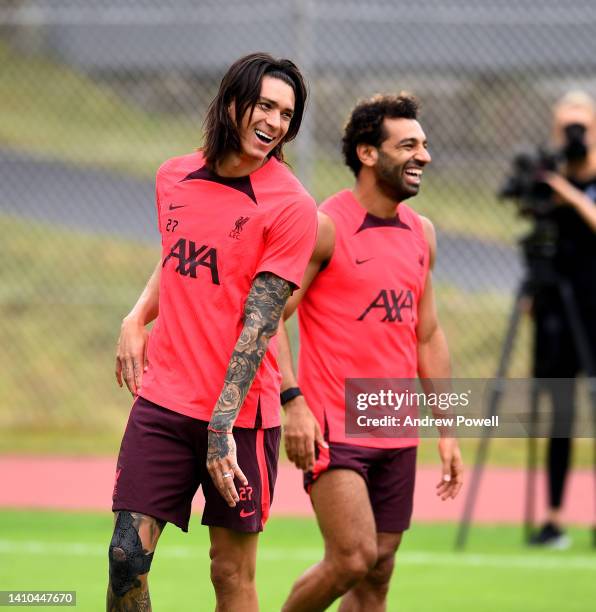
262,312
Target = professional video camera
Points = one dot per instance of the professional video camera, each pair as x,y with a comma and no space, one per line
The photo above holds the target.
526,185
533,196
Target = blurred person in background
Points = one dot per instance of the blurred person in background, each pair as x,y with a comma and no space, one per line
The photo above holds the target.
237,231
555,351
371,247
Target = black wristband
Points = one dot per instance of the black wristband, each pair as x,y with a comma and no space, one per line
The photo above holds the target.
289,394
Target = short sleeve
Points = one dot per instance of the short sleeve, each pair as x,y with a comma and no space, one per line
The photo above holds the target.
158,209
290,241
158,179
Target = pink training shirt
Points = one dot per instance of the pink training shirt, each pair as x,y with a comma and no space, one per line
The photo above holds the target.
358,318
217,234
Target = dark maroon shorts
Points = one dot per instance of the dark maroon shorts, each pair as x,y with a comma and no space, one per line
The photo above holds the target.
162,464
390,475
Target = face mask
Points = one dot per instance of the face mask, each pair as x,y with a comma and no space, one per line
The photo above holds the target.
575,149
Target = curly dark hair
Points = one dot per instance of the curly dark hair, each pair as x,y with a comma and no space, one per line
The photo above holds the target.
365,124
242,84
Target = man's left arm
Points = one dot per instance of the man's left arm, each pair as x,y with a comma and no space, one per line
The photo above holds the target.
262,312
434,363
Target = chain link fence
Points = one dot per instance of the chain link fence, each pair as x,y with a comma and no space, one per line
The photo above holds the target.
95,94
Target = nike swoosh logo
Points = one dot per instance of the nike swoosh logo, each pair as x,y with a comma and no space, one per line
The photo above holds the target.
245,514
175,206
361,261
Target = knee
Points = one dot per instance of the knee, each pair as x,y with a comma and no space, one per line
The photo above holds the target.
380,575
352,566
127,566
229,575
123,576
127,559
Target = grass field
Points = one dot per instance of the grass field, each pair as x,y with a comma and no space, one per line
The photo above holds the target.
59,551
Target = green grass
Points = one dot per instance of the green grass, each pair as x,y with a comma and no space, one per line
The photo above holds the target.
69,551
506,452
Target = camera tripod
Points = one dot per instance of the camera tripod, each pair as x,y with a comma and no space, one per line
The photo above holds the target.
540,274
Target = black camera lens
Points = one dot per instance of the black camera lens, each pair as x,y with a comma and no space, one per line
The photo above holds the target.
575,148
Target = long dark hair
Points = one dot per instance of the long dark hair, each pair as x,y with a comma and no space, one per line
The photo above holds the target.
242,85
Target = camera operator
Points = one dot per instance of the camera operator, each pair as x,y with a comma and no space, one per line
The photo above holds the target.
555,352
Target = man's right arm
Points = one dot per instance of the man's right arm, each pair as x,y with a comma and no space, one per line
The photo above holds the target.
301,429
131,353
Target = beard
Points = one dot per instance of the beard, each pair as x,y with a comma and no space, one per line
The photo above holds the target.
390,179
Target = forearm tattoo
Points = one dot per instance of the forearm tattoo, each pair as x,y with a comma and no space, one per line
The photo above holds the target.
262,312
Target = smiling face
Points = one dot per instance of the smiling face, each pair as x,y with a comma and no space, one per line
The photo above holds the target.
401,158
262,131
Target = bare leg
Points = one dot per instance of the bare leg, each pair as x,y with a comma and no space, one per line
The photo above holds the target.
233,567
341,503
370,594
134,540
